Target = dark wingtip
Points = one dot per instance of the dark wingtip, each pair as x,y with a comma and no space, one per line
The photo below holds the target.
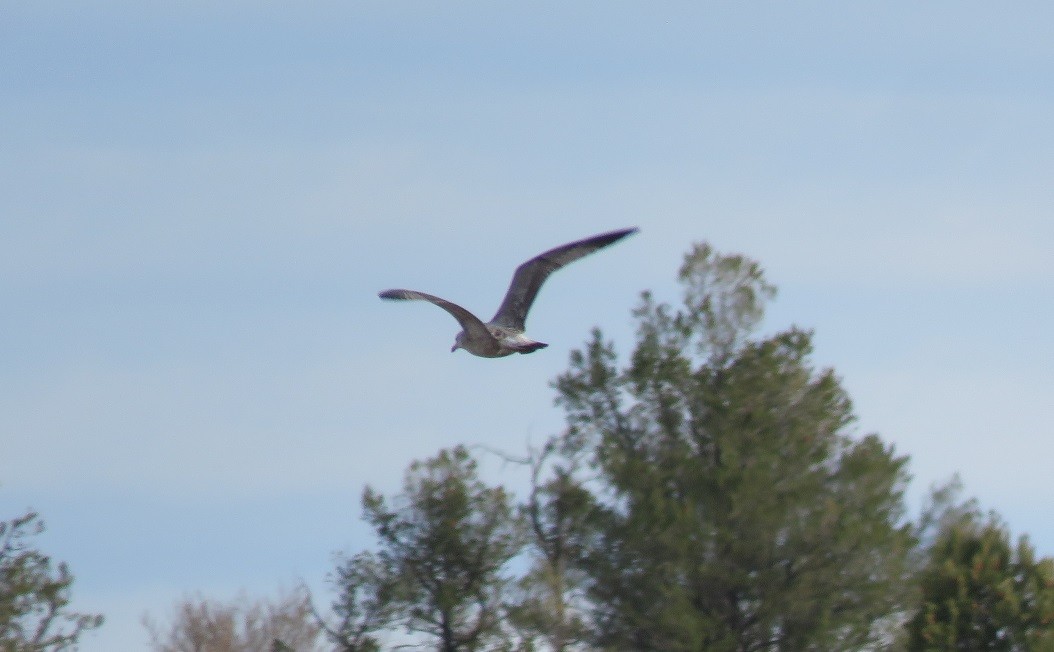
391,294
614,236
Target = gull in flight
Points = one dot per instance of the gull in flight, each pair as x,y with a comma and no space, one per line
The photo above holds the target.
503,335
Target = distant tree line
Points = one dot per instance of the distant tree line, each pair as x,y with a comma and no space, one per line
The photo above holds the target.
709,494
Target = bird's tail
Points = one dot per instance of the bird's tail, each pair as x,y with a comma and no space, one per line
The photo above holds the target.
530,347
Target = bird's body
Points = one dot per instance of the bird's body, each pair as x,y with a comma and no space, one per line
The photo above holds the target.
508,342
504,334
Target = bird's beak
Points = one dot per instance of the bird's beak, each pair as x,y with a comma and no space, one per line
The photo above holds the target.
454,348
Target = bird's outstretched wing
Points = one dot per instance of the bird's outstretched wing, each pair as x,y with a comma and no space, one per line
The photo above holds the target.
530,275
471,324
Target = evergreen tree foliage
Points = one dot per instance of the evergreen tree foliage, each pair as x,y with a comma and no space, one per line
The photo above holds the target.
34,595
980,592
445,543
732,511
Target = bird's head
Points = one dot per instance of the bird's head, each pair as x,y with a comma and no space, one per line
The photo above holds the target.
459,342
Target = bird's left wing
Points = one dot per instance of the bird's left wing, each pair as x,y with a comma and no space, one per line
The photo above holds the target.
472,324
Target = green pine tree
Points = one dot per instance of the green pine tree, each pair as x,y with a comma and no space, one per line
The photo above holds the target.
732,509
441,567
979,592
35,594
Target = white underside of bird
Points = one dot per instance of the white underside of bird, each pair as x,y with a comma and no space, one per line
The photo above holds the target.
509,341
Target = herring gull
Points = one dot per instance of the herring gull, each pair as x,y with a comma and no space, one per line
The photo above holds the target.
504,334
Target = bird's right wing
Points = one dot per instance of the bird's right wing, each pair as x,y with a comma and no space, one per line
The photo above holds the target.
529,276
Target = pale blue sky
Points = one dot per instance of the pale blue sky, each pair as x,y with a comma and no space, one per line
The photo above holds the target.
198,205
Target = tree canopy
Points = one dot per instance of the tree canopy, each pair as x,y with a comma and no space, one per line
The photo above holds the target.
35,593
445,543
200,624
978,590
733,508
